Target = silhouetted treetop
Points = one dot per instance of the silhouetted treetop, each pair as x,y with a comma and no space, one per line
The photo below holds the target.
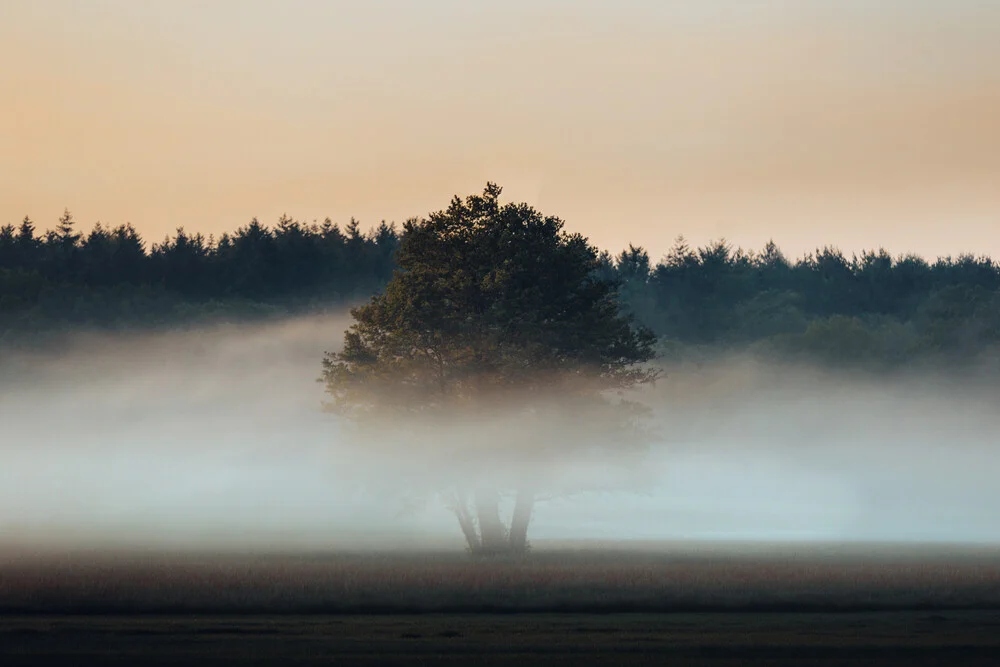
487,298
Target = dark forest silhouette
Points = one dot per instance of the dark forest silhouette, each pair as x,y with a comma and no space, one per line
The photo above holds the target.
874,308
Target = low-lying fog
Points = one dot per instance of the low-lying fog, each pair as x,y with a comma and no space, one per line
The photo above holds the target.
215,438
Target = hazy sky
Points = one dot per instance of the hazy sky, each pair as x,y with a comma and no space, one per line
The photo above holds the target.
809,121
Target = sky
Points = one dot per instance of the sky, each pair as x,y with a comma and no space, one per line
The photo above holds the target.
812,122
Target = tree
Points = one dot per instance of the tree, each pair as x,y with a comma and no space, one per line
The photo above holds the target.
27,243
62,248
495,317
8,246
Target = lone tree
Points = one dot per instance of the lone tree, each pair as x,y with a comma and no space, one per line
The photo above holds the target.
499,339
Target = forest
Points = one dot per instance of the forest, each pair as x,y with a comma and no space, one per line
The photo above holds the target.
874,309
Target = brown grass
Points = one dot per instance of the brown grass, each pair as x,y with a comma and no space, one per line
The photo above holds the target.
555,581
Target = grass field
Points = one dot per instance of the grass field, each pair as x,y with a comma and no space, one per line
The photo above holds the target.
695,578
860,638
690,604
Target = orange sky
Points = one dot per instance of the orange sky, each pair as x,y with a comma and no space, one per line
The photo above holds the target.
809,121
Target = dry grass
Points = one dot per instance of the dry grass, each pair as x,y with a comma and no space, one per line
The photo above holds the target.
719,579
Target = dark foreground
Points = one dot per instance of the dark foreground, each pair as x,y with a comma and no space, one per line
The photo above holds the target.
862,638
719,605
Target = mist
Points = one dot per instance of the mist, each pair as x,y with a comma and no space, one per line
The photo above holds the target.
214,438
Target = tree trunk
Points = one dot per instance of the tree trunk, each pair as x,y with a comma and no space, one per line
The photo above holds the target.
493,536
467,523
523,506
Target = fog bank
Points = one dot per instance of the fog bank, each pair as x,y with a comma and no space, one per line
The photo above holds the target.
215,438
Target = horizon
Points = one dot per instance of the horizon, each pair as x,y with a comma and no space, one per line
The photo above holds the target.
368,230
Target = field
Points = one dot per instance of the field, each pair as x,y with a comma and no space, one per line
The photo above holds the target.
710,605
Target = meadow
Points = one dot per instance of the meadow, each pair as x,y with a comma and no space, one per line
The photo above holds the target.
707,577
707,604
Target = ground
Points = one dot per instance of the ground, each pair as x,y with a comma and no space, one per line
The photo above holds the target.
719,638
735,605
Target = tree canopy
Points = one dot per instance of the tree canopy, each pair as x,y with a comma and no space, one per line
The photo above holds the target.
487,300
494,314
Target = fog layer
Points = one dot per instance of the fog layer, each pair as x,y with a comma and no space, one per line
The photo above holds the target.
215,438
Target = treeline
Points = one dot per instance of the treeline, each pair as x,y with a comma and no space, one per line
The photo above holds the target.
110,277
872,309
